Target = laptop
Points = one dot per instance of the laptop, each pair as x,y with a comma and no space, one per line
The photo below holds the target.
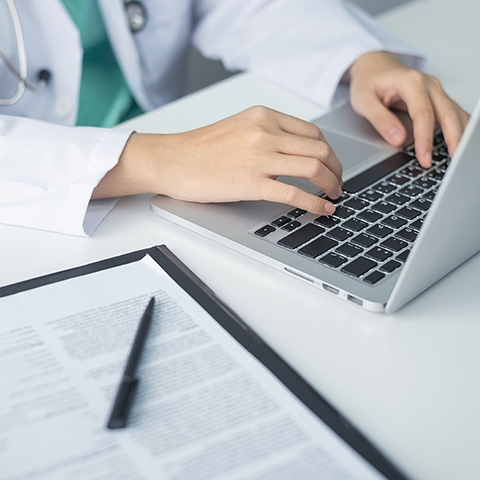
397,229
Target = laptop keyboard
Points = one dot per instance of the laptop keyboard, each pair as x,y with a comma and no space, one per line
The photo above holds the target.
376,221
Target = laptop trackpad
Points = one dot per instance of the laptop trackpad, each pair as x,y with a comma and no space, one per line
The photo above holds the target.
351,152
354,155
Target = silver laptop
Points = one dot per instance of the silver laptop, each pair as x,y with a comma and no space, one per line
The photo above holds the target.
397,229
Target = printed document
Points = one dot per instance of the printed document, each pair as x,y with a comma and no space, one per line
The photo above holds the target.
205,407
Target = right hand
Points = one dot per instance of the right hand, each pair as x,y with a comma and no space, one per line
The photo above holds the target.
238,158
379,84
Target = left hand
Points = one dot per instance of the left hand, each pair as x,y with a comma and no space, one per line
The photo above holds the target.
379,83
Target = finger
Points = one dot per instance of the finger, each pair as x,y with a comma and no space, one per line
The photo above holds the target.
306,147
297,126
412,89
420,109
276,191
382,118
423,128
309,168
451,118
298,131
266,116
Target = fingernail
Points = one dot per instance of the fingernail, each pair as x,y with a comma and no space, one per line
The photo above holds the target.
339,192
395,135
427,156
329,208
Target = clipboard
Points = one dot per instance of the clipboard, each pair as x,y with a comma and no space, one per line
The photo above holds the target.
242,333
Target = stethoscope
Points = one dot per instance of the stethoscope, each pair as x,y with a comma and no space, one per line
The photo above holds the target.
137,19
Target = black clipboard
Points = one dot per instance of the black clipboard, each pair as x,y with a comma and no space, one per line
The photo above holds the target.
243,334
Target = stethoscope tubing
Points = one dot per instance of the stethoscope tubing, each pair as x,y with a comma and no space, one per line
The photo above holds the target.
137,17
20,72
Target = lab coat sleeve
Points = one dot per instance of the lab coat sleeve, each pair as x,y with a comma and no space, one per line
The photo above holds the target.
48,173
305,46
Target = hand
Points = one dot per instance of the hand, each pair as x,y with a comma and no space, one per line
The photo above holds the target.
238,158
379,82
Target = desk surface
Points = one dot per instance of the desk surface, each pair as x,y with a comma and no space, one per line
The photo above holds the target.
408,381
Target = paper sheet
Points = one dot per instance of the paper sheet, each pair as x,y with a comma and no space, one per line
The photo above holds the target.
205,407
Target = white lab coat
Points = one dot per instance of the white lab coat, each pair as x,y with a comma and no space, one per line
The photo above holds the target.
48,169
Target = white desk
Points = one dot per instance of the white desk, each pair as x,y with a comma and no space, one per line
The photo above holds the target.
408,381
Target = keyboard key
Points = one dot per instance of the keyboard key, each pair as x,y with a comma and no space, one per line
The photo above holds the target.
425,183
291,226
357,203
441,162
378,253
410,150
349,250
384,187
421,204
355,224
402,256
443,150
394,244
371,195
417,224
411,191
374,277
340,199
364,240
369,215
326,221
390,266
343,212
301,236
398,179
430,195
439,158
408,212
397,199
333,260
298,212
407,234
339,233
436,174
394,221
380,231
281,221
412,171
318,247
384,207
264,231
438,138
359,266
443,167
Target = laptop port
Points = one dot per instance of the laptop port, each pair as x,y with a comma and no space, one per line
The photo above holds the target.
354,300
330,289
299,274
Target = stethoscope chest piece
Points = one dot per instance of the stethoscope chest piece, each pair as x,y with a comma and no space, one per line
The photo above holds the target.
137,15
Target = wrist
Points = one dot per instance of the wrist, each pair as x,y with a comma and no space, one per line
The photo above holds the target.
130,175
370,62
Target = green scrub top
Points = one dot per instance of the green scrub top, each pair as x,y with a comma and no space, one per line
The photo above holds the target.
105,99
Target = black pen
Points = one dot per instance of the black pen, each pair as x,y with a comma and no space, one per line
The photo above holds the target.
128,383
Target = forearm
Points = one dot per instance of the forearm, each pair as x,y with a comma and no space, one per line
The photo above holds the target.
306,49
